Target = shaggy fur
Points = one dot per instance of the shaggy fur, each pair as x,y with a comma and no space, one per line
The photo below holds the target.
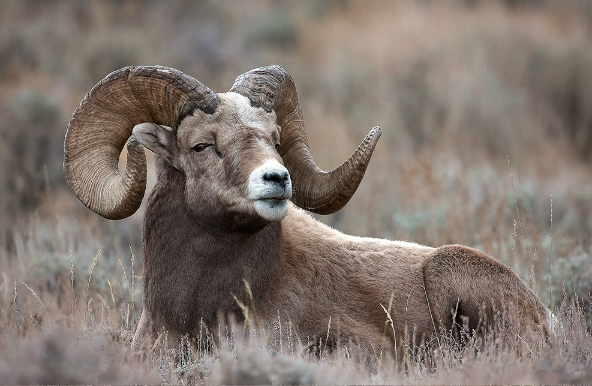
202,240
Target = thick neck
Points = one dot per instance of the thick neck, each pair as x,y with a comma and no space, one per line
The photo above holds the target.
191,269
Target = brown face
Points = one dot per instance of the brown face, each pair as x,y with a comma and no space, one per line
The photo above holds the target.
229,160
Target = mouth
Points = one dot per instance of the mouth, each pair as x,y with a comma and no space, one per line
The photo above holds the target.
280,197
272,208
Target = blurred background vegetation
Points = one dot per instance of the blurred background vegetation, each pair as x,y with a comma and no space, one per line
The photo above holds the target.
486,109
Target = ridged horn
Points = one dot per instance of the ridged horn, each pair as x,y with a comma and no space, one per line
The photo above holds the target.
318,191
103,123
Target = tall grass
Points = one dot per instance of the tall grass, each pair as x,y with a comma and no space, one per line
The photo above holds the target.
487,114
74,322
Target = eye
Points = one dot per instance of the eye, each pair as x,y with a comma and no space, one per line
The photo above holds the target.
277,146
201,147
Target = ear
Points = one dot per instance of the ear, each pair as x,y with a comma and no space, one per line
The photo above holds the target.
159,139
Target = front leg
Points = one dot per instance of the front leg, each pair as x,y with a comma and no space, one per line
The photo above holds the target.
143,338
147,338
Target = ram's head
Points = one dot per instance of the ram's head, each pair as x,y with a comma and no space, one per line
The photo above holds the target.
243,152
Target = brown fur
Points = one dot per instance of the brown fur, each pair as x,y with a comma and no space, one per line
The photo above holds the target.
201,238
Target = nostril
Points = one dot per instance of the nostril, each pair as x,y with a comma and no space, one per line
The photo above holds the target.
279,177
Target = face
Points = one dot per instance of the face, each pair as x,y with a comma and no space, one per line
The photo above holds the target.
229,159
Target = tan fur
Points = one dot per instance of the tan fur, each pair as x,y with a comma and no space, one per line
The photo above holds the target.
202,239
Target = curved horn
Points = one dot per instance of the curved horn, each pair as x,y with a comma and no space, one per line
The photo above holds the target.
272,88
103,123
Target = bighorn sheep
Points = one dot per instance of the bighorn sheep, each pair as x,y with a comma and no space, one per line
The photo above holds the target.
219,215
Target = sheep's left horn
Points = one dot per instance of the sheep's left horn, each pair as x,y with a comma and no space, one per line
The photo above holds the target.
318,191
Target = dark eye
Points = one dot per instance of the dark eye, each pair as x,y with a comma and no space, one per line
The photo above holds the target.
201,147
277,146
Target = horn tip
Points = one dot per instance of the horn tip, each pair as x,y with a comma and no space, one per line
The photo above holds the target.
376,130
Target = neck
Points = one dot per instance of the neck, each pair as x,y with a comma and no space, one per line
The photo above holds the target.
185,259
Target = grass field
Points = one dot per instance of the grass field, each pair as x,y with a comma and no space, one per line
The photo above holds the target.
487,115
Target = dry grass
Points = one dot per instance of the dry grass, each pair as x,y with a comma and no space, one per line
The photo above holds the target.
76,325
487,116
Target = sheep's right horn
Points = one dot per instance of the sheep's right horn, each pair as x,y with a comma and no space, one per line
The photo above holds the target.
272,88
103,123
